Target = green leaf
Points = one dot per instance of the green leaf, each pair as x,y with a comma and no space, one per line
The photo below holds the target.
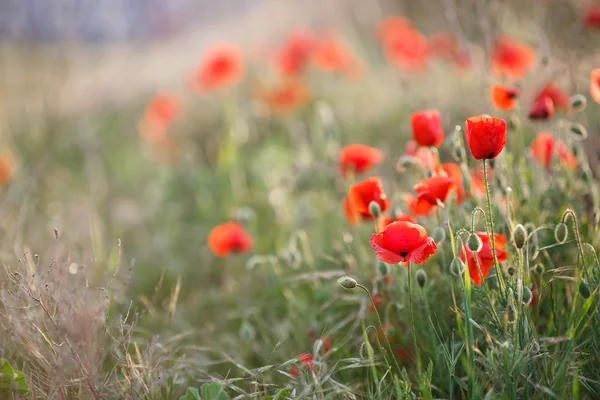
282,394
213,391
191,394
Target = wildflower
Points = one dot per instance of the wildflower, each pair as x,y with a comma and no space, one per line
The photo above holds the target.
550,99
446,47
386,220
418,207
333,55
404,46
403,242
221,67
565,155
484,257
434,189
7,167
453,171
504,98
544,147
285,96
486,136
360,196
326,344
358,158
307,361
591,16
423,157
160,112
292,58
595,85
511,58
427,128
228,238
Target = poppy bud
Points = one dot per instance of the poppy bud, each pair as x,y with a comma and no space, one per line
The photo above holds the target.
527,296
375,209
438,235
474,243
421,278
458,153
578,131
457,267
520,236
511,271
382,268
584,290
561,232
539,269
578,103
347,282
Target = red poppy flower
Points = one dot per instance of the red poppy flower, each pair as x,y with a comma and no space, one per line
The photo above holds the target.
408,51
403,242
222,66
7,167
228,238
511,58
423,157
160,112
358,158
550,98
392,28
542,149
453,171
293,57
332,55
294,371
285,96
484,257
360,195
427,128
591,16
486,136
542,109
418,208
386,220
447,47
595,85
433,190
307,360
504,98
565,155
326,346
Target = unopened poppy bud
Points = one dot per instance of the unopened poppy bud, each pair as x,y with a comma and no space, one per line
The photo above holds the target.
383,268
459,154
578,131
578,103
539,269
527,296
375,209
347,282
457,267
520,236
584,290
438,235
474,243
511,271
421,278
561,232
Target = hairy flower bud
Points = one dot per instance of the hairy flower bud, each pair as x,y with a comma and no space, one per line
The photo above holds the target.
421,278
578,131
578,103
375,209
519,236
527,296
474,243
347,282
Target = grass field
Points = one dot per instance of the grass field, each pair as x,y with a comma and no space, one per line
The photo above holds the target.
220,239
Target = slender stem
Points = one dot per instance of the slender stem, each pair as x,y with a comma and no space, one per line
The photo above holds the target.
412,318
491,220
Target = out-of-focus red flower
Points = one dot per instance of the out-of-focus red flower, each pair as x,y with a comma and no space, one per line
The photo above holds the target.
331,54
404,46
377,301
221,67
504,98
453,171
307,361
565,155
294,371
392,28
292,58
403,242
478,183
434,189
418,208
511,58
402,353
326,346
388,219
160,112
542,149
285,96
551,98
427,128
446,47
486,136
591,16
484,257
360,195
358,158
7,167
228,238
595,85
534,296
421,156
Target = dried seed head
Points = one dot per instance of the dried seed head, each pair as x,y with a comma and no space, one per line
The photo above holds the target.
375,209
474,243
457,267
421,278
561,232
519,236
578,103
347,282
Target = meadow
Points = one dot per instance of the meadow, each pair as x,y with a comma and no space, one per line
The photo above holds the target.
399,208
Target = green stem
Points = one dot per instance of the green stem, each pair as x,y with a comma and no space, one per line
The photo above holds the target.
491,220
412,319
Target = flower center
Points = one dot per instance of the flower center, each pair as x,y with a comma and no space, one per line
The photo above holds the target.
403,253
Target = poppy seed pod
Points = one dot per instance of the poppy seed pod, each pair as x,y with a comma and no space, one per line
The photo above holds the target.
421,278
347,282
520,236
578,131
561,232
438,235
474,243
375,209
584,290
457,267
578,103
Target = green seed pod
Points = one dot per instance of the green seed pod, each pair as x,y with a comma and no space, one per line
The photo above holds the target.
457,267
584,290
474,243
421,278
578,131
578,102
561,232
438,235
347,282
519,236
527,296
383,268
375,209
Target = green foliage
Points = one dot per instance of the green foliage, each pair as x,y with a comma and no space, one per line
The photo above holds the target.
12,380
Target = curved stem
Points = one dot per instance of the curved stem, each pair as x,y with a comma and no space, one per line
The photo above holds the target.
491,220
